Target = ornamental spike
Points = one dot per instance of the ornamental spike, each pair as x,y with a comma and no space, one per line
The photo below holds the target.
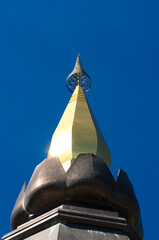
78,77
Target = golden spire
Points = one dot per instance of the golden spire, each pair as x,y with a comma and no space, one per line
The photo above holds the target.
78,131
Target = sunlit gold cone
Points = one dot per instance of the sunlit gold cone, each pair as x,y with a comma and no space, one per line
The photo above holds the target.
78,132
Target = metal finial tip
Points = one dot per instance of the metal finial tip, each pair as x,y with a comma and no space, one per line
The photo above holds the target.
78,77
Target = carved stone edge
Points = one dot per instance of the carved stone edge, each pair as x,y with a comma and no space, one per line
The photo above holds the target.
60,215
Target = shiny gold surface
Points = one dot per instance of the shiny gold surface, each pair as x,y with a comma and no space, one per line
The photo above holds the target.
78,132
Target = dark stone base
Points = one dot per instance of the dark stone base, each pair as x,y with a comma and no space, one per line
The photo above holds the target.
75,232
71,222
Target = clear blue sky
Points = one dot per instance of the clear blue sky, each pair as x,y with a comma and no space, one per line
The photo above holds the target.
118,41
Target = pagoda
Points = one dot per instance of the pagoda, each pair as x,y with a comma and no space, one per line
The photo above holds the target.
72,194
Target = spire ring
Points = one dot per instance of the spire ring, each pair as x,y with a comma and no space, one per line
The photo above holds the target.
81,79
78,77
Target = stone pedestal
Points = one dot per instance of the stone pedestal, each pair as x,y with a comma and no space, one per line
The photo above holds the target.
74,222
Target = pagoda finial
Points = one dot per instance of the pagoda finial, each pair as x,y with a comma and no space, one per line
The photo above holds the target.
78,77
78,131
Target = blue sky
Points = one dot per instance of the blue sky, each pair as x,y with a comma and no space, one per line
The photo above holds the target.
118,42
